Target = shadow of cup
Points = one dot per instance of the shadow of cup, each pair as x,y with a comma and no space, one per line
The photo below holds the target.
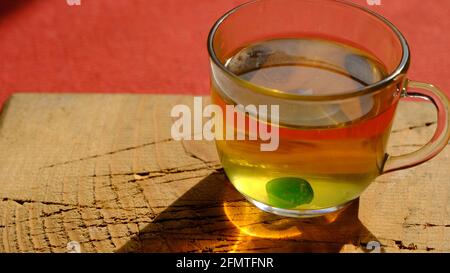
213,217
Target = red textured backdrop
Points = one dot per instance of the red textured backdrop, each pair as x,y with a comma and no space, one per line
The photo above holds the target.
158,46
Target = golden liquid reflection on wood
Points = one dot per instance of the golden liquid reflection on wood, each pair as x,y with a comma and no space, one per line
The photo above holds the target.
253,223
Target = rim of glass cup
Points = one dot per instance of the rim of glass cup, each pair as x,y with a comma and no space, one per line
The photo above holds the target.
401,68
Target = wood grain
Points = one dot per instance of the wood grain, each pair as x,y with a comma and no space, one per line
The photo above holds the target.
102,170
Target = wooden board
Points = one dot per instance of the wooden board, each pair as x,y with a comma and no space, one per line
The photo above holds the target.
103,171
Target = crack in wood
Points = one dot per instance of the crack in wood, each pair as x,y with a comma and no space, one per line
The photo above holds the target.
214,169
407,145
426,124
184,178
75,206
401,245
426,225
108,153
411,145
213,164
49,214
108,221
192,155
24,201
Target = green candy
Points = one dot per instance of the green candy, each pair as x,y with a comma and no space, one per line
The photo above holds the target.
289,192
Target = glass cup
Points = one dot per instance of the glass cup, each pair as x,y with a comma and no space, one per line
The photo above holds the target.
331,146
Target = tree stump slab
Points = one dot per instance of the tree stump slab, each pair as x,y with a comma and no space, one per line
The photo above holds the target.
101,171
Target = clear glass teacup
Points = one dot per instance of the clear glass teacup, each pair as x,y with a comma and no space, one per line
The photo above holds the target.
336,71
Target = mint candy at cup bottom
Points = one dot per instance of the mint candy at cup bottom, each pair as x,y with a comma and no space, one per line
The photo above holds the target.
289,192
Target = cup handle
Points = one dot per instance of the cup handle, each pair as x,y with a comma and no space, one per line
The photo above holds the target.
441,136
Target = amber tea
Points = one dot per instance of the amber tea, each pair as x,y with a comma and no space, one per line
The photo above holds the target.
327,155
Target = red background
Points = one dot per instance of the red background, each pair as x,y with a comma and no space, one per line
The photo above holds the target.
159,46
